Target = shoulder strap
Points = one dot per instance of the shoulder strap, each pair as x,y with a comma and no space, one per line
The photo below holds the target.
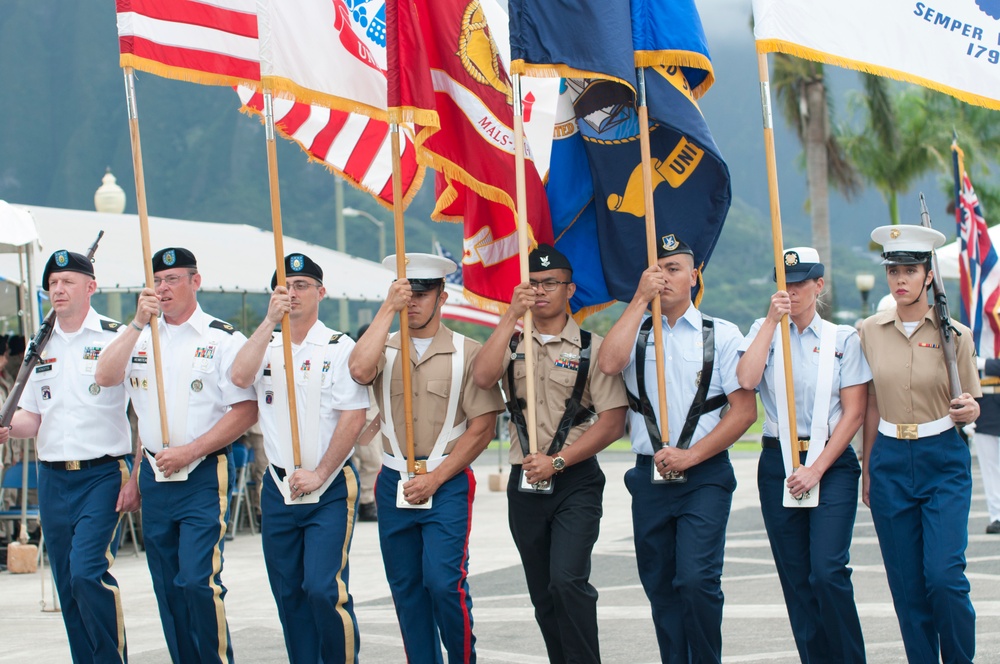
514,405
700,405
109,325
222,325
575,413
640,403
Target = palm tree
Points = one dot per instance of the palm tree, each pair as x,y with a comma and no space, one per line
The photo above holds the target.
801,91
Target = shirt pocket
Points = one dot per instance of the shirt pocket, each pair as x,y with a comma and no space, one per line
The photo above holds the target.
439,391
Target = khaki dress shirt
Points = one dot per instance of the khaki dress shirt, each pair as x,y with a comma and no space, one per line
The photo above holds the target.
910,379
431,384
556,366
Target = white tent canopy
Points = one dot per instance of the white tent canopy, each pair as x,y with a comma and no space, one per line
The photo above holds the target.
948,255
232,258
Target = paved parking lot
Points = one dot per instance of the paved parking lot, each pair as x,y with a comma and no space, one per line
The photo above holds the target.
755,627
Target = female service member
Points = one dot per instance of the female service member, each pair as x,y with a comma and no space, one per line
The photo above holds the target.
810,544
917,478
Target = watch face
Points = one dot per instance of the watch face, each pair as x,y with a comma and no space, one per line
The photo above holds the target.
559,463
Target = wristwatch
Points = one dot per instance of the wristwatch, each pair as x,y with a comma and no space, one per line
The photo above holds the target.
558,464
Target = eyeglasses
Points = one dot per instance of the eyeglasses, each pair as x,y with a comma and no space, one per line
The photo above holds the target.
548,285
300,286
171,281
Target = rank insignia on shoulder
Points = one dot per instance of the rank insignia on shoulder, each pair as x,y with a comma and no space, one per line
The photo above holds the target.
222,325
110,325
336,337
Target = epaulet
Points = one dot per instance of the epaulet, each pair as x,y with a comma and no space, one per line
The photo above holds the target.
110,325
336,337
222,325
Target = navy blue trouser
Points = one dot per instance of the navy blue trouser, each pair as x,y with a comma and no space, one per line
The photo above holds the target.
184,527
306,551
555,535
426,557
811,548
680,537
920,495
81,527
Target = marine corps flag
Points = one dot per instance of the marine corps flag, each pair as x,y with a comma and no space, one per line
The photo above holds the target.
446,76
596,47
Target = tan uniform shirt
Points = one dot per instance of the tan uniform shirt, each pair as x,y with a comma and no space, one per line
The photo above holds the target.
556,365
431,382
910,379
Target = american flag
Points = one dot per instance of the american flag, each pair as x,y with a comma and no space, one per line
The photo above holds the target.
979,275
456,276
354,146
216,42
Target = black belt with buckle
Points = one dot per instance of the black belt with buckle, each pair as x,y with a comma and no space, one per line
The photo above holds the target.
81,465
772,443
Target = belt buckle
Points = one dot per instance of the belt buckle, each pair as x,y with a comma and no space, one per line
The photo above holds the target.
906,431
420,467
803,446
72,465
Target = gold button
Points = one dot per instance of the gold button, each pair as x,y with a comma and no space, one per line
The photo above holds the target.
906,387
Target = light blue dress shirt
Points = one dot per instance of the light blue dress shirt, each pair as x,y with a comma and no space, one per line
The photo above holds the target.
849,368
684,358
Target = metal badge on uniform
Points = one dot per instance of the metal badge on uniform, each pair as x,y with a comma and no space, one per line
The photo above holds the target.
544,487
670,242
197,385
139,383
95,389
268,397
46,393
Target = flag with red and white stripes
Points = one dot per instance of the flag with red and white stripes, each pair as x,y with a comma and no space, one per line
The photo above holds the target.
354,146
979,274
213,42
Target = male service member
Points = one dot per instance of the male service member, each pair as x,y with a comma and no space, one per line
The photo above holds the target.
185,487
579,412
681,493
83,440
424,522
307,514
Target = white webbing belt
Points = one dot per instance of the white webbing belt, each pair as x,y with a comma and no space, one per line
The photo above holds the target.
397,461
914,431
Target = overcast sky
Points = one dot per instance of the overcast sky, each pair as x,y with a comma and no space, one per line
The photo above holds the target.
724,19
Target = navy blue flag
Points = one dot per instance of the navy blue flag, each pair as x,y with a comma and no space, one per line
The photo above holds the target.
600,219
456,276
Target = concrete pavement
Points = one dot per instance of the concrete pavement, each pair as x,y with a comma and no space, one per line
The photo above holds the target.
755,627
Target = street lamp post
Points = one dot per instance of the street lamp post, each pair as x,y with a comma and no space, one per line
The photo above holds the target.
353,212
110,198
865,283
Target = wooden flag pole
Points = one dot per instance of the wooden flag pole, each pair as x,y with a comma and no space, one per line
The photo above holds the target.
779,262
647,192
279,260
404,324
147,254
522,251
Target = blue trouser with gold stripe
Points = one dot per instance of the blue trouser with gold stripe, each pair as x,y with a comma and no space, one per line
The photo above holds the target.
811,548
306,551
920,494
81,525
680,537
426,557
184,526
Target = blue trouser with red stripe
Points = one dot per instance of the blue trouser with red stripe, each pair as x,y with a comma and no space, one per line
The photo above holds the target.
920,494
78,510
306,551
183,527
426,556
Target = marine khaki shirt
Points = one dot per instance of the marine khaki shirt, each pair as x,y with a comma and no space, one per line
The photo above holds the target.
431,384
910,379
557,364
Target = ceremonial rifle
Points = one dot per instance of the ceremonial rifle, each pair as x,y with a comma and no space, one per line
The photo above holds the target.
34,353
948,331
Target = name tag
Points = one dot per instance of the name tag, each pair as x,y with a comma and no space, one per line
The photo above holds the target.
43,368
138,360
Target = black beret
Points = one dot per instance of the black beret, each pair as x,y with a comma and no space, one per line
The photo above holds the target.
671,245
546,257
299,265
171,257
66,261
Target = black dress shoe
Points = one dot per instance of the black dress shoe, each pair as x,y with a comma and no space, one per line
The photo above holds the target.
369,512
993,528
